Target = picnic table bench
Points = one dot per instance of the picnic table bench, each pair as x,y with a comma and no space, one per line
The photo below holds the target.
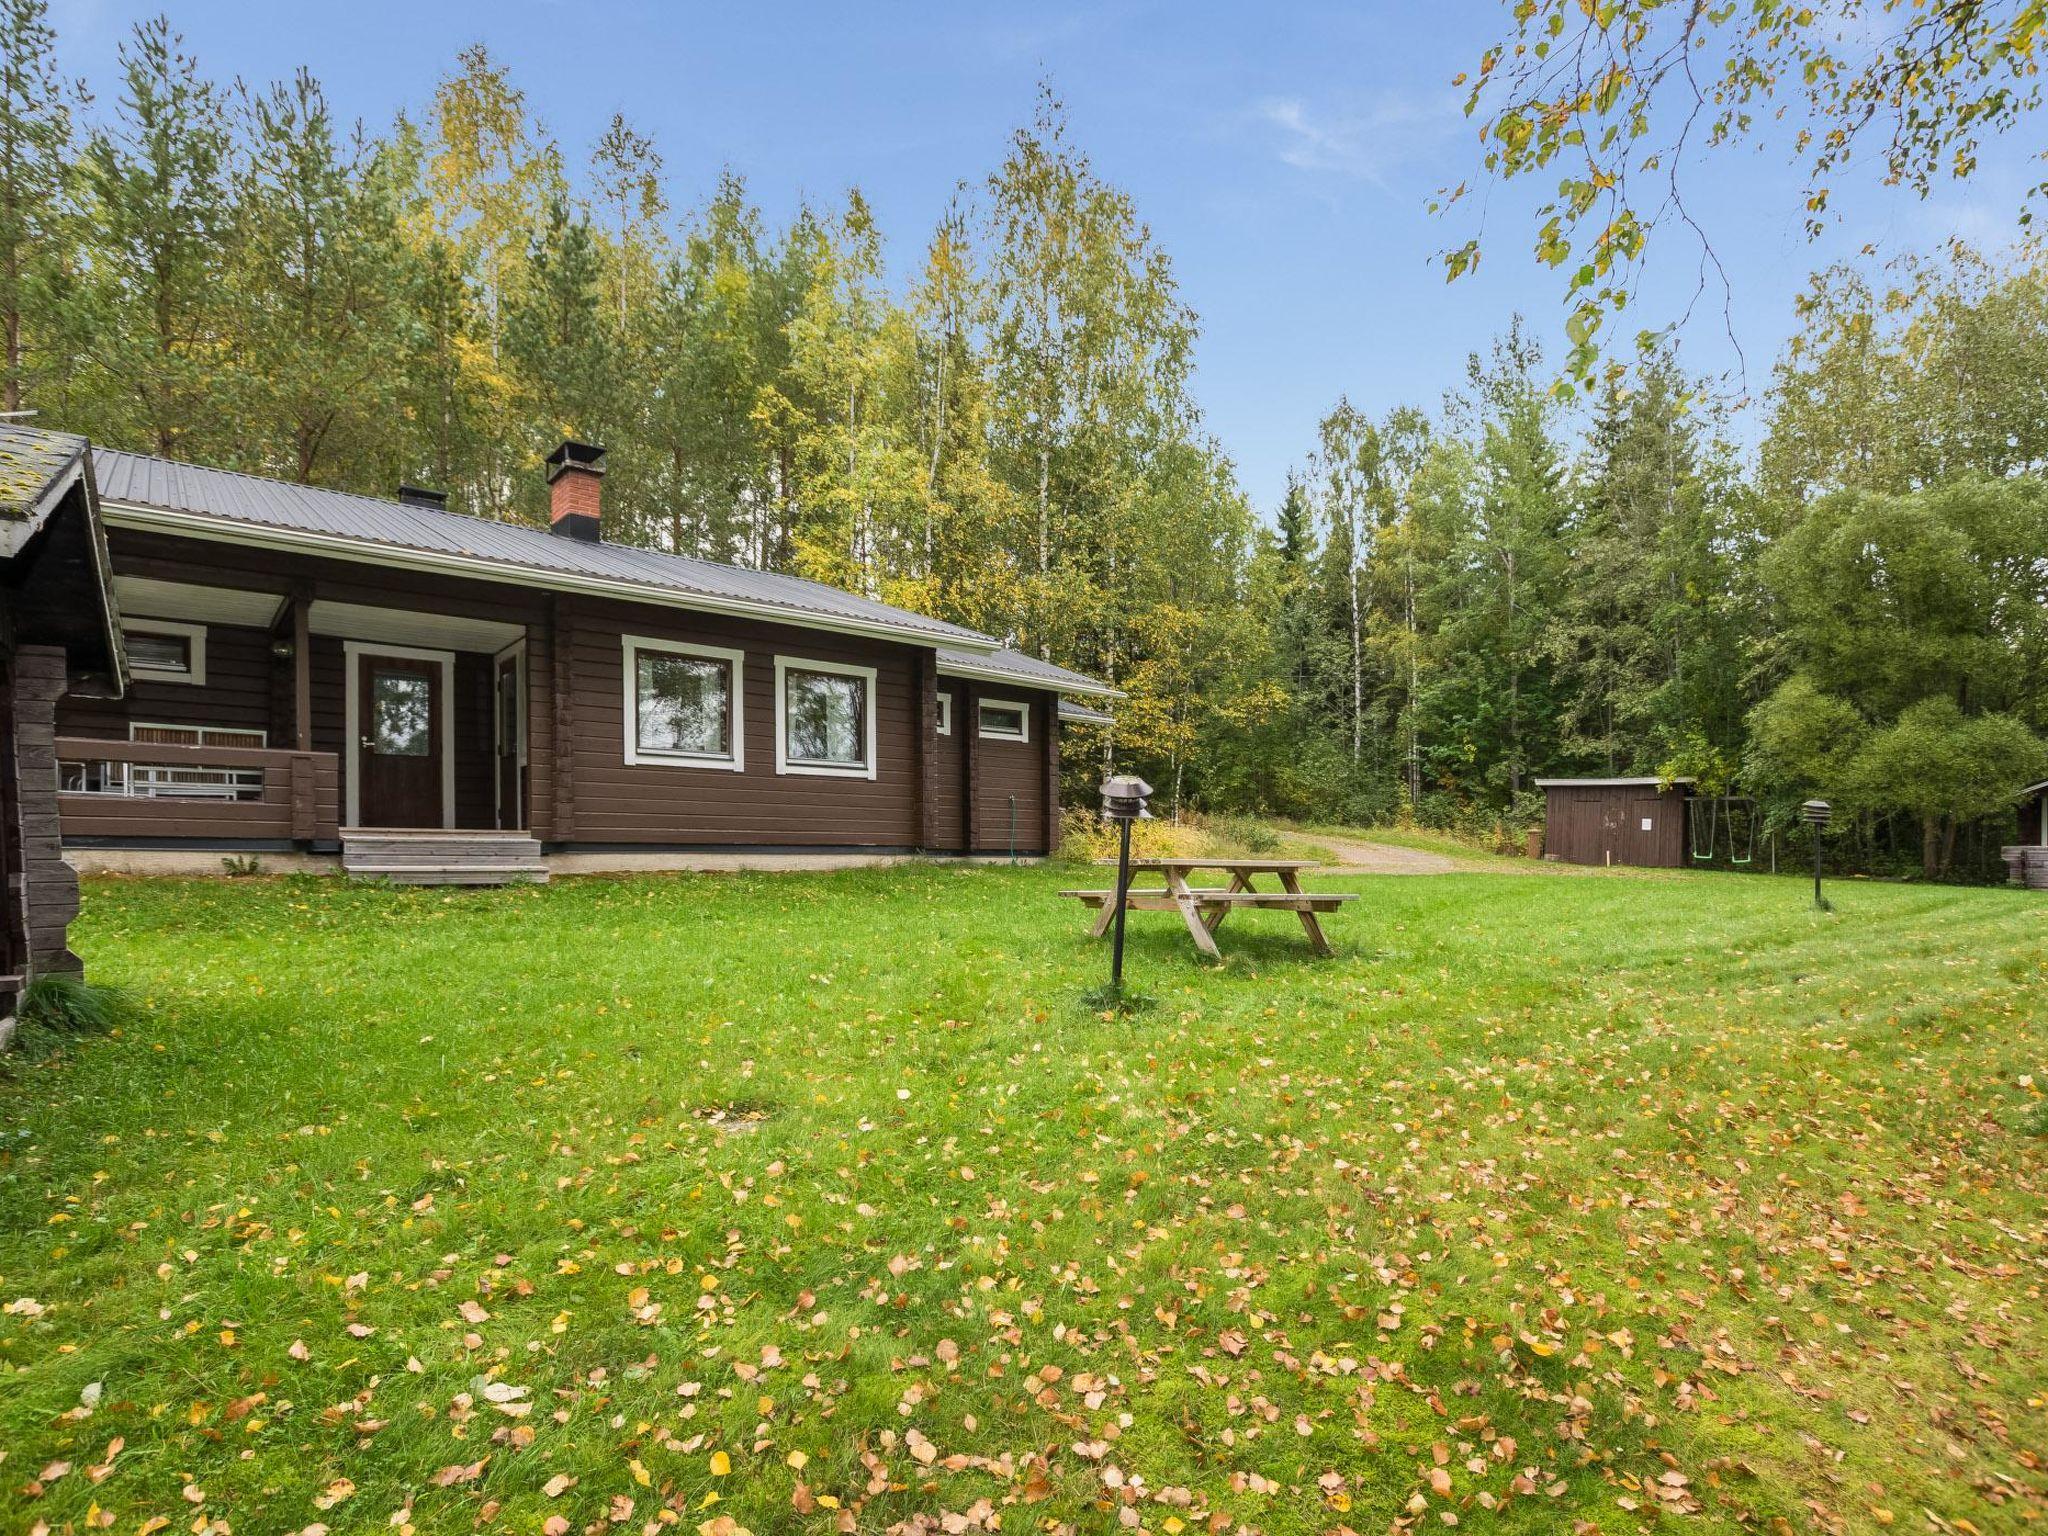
1203,908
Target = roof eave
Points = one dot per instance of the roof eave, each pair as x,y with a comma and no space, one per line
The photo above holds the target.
15,532
1081,685
1610,783
203,525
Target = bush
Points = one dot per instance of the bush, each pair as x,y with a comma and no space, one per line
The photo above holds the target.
54,1009
1243,834
1085,837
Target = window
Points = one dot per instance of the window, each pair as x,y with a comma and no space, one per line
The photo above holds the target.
401,714
945,714
824,718
160,651
1004,720
684,704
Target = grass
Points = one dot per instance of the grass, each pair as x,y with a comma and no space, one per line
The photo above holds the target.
770,1202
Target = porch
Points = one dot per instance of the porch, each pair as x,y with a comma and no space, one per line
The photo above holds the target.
265,721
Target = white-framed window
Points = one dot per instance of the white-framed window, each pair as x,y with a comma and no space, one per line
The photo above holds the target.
945,714
824,718
164,651
685,704
1003,720
157,734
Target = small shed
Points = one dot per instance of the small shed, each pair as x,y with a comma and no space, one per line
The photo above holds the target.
1615,821
59,632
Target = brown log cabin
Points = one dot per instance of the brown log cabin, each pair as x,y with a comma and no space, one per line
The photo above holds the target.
315,673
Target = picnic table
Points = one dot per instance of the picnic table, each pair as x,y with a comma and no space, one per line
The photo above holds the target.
1203,908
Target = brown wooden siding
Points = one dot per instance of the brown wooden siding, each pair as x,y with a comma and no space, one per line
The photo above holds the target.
949,790
1004,769
240,691
13,897
620,803
48,886
300,800
1603,824
581,790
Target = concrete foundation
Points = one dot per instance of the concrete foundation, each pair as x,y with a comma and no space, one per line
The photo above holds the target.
182,863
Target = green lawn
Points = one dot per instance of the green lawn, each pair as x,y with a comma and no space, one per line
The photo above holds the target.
1548,1201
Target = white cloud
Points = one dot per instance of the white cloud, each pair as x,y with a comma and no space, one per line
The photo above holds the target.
1368,144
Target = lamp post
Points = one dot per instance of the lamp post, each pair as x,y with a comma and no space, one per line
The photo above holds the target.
1123,802
1815,813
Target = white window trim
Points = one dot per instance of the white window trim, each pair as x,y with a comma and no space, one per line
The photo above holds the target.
195,640
787,664
352,725
638,756
945,713
262,736
1023,710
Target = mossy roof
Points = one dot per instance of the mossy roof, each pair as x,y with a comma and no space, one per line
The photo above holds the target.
31,459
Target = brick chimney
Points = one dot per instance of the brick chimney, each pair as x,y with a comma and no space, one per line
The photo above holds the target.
576,484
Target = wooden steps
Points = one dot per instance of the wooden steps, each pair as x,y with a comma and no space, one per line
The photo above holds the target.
405,856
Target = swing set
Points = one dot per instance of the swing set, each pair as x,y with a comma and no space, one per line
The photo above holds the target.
1707,815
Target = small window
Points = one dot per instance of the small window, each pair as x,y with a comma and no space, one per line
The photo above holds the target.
160,651
1004,720
825,718
683,704
945,714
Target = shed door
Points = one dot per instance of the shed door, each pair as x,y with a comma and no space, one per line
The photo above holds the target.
1645,832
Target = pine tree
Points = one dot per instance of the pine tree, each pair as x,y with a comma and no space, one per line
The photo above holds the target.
160,212
35,175
316,292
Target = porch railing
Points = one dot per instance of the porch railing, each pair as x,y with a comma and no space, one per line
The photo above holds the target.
114,790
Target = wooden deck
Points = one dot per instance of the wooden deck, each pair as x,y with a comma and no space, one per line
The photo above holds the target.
409,856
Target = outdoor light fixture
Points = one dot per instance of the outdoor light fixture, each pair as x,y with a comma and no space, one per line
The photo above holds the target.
1815,813
1123,802
283,650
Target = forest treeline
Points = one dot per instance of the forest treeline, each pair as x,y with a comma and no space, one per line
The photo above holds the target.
997,425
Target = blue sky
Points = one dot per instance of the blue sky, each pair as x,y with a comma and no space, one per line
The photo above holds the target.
1283,154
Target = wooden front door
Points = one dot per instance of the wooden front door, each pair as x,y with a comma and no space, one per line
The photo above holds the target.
511,746
399,752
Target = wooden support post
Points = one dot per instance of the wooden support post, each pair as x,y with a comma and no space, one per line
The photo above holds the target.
302,667
967,726
924,674
564,713
1051,705
302,773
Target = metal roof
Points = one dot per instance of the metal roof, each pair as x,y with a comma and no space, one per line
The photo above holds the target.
282,514
1080,714
1007,666
1606,783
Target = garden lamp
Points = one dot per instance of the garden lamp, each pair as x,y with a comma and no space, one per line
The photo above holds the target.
1815,813
1123,802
